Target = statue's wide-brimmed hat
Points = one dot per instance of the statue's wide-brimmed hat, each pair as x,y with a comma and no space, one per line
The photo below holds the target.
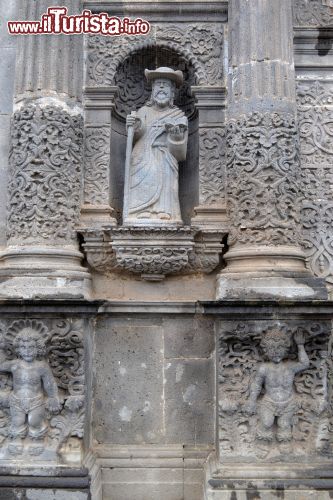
163,72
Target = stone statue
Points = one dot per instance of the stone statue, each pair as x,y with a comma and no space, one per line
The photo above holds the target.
277,378
32,382
159,132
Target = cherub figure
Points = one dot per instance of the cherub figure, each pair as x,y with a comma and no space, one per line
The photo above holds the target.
277,378
32,378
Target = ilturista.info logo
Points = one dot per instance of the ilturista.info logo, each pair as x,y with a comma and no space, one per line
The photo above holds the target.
57,21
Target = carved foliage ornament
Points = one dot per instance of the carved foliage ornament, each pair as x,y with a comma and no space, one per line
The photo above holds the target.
312,13
315,112
244,352
42,387
211,169
199,43
45,174
96,165
262,167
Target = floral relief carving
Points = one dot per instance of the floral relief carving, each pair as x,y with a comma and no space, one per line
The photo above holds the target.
211,167
42,387
315,112
312,13
262,169
45,174
199,43
254,425
96,164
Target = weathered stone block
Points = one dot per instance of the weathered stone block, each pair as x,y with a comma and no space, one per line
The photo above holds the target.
189,401
188,337
128,406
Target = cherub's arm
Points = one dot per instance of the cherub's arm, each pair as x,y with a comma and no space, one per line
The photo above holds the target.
51,388
303,359
255,389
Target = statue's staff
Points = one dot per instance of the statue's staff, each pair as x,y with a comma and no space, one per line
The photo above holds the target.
129,146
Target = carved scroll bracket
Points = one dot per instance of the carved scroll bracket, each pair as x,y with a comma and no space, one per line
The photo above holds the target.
152,252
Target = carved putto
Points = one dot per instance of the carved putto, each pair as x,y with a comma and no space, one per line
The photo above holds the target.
277,377
274,391
34,390
159,132
37,415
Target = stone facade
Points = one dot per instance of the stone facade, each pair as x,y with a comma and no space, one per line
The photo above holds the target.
180,358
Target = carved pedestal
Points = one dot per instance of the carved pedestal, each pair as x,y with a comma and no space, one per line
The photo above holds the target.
152,252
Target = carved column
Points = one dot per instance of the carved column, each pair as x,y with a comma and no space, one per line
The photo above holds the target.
264,257
96,207
44,192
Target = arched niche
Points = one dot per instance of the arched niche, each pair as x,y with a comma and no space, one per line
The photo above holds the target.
133,92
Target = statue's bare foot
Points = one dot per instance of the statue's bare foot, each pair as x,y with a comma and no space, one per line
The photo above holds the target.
163,216
265,435
36,449
15,448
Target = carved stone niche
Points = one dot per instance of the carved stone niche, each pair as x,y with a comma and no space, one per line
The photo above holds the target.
152,253
260,420
42,391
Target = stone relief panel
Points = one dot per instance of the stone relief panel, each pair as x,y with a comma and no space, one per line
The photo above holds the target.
202,44
275,390
262,169
315,112
42,389
96,164
45,174
211,167
312,13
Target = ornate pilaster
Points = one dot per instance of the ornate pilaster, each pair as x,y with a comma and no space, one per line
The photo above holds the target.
44,190
264,258
96,207
211,212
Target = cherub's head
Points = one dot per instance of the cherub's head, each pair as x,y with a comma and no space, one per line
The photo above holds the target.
276,345
29,345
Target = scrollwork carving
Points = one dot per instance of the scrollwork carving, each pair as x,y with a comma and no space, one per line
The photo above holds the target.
96,164
45,174
262,169
312,13
315,112
211,169
199,43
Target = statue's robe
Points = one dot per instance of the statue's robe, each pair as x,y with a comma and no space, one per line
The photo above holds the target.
152,189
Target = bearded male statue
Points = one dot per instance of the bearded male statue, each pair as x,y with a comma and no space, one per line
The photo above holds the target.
156,142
